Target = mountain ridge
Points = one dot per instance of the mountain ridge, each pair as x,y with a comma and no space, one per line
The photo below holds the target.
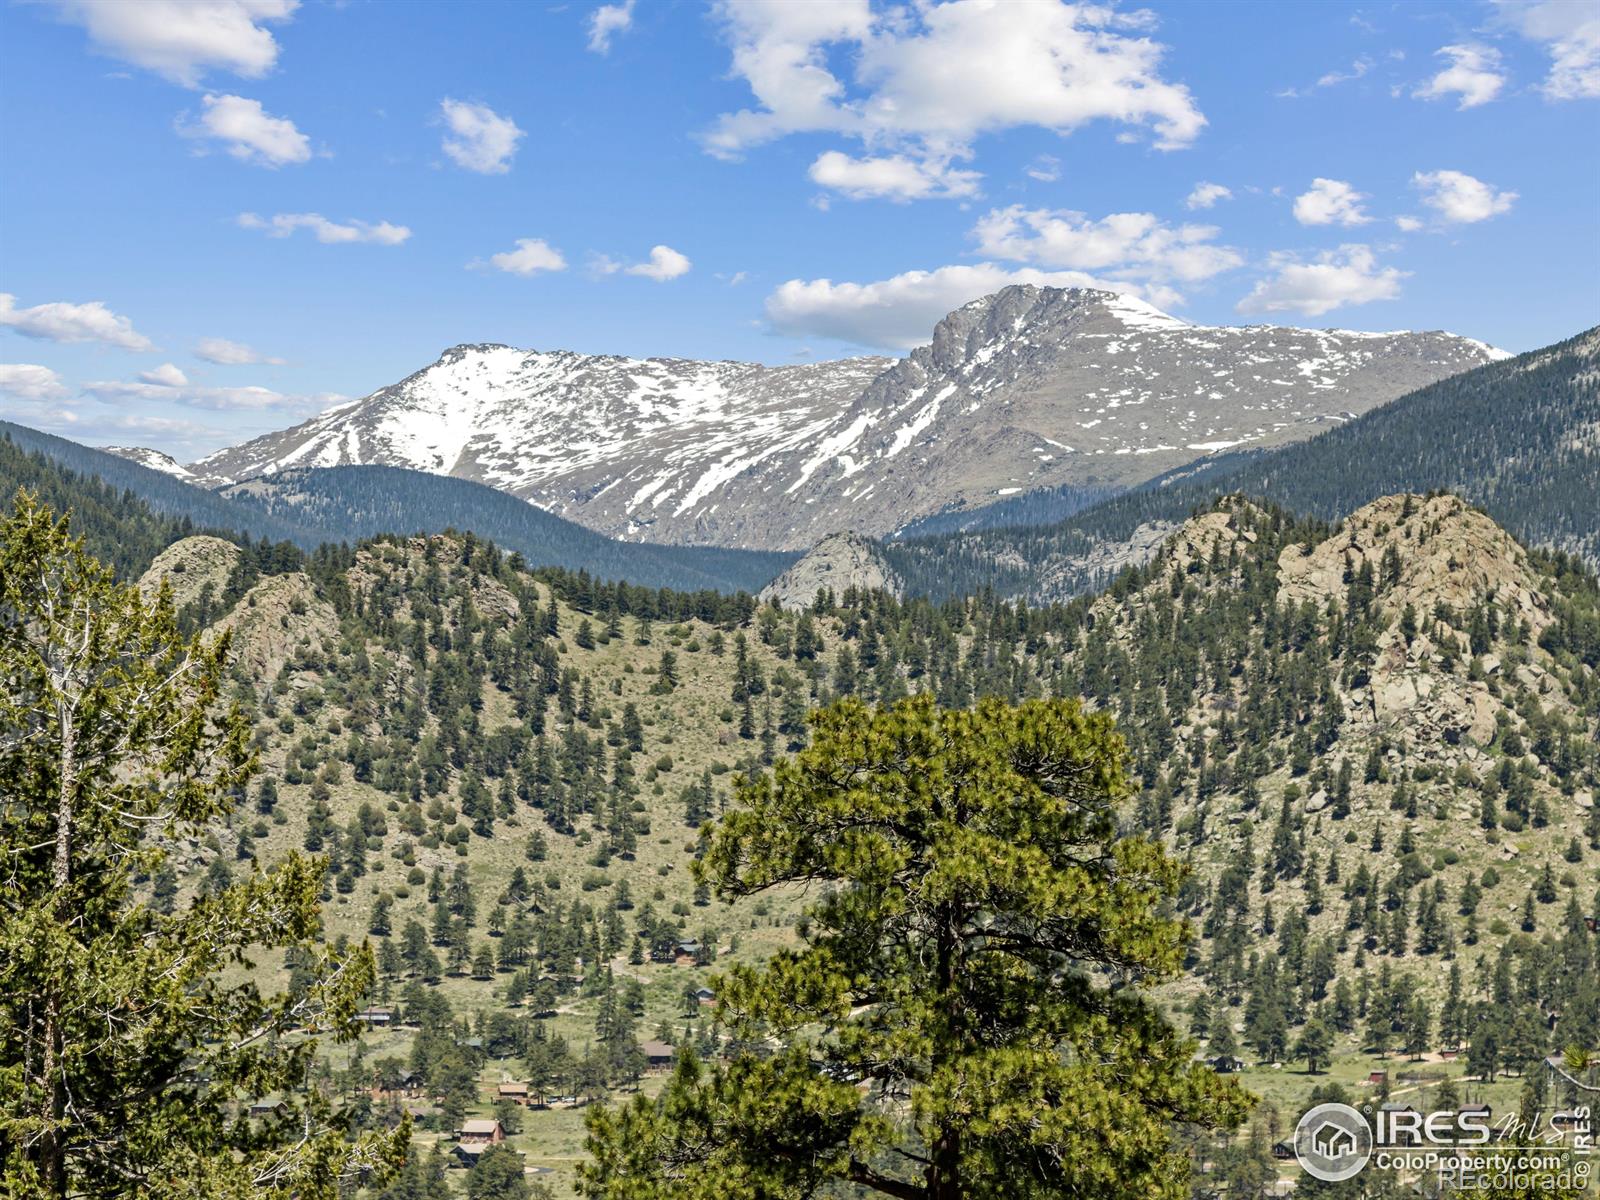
1520,437
1027,388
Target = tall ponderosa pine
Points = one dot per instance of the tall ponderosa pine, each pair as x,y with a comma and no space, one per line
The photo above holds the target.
965,1017
128,1062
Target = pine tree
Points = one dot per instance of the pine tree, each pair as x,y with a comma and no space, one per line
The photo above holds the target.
1011,893
122,729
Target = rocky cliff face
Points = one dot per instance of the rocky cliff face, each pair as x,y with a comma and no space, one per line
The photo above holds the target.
839,561
1451,611
1028,388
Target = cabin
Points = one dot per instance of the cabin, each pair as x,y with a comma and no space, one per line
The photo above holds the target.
1227,1064
517,1093
1378,1078
1476,1109
1449,1055
1283,1151
406,1085
686,954
705,996
375,1018
658,1056
265,1108
483,1131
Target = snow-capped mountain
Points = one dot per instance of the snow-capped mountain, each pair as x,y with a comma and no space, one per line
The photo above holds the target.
1028,388
154,459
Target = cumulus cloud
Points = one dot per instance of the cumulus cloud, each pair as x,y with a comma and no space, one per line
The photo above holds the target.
230,354
1330,202
926,81
247,131
1348,275
1207,194
663,264
63,322
1570,31
531,256
892,177
30,381
1138,246
480,139
166,375
1473,74
899,313
606,22
330,232
222,399
1407,224
1459,199
183,39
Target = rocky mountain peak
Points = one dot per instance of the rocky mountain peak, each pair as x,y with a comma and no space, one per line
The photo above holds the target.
1435,611
1026,389
1432,553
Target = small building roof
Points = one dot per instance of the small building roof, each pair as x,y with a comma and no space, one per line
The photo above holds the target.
480,1125
657,1049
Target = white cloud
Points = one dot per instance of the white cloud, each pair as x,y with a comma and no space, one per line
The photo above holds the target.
1138,245
899,313
1348,275
1459,198
215,398
1357,69
63,322
1407,224
249,132
664,263
1570,29
927,80
892,177
166,375
230,354
1330,202
1207,194
1473,74
183,39
531,256
606,22
330,232
480,139
1046,168
30,381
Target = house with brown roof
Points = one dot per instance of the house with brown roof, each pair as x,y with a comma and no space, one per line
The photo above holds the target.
658,1056
517,1093
481,1131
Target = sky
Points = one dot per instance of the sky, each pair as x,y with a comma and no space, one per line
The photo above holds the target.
219,217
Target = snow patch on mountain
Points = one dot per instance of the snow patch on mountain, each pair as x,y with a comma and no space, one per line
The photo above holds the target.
740,454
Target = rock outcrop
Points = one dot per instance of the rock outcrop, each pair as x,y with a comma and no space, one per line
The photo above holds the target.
837,562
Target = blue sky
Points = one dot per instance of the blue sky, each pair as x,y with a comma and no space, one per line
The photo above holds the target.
219,216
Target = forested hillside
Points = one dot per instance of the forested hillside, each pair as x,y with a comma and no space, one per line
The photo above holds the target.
53,464
344,504
1520,438
365,501
1375,743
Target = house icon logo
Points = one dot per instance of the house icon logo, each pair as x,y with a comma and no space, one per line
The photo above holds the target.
1333,1142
